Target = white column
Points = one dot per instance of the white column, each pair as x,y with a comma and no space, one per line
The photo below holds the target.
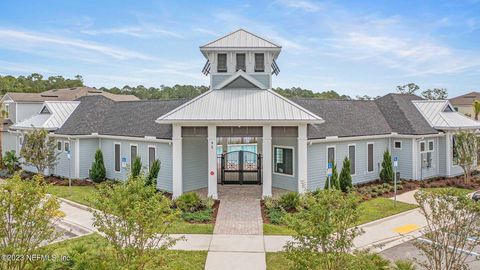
212,162
177,189
267,161
449,153
302,159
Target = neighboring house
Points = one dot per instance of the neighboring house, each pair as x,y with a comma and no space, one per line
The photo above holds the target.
283,143
463,103
21,106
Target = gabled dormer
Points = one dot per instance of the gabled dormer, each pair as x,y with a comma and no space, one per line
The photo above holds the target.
241,54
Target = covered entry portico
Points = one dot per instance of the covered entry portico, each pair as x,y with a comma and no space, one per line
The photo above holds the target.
262,111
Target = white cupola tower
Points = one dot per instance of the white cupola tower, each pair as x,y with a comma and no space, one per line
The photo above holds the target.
240,60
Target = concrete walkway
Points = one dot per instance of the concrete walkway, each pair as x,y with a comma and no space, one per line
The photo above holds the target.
247,251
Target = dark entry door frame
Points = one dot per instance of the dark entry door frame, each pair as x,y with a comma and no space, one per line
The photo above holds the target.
241,167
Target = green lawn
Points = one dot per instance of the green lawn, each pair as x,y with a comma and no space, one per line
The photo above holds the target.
79,194
369,211
276,261
462,191
91,251
83,195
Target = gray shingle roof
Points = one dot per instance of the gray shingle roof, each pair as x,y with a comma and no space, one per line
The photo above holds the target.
402,115
345,118
97,114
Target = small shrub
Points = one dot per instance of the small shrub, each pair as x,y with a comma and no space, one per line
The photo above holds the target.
189,202
404,265
345,180
275,215
97,172
136,166
198,216
153,173
11,161
290,201
386,174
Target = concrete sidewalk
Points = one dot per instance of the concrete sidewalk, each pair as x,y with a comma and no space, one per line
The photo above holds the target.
248,251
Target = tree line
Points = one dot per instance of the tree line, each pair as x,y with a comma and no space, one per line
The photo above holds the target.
36,83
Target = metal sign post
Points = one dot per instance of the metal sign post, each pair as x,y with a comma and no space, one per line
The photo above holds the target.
69,171
329,174
395,164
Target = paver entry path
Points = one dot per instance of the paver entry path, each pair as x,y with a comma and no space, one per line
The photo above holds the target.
239,212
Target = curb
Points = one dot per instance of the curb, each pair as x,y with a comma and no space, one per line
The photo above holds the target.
388,218
75,204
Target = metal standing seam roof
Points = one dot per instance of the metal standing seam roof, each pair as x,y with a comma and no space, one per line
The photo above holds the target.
240,105
438,117
241,39
58,113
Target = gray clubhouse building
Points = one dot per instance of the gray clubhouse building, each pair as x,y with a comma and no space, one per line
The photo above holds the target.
240,131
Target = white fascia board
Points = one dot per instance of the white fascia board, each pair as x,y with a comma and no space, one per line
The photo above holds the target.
229,122
383,136
128,138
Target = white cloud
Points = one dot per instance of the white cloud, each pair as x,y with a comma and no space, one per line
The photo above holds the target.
143,31
304,5
29,41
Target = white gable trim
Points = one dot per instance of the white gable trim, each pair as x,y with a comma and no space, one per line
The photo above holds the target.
238,74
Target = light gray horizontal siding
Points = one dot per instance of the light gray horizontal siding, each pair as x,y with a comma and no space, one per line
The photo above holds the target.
9,142
317,161
88,147
66,167
425,173
195,163
405,155
280,180
163,153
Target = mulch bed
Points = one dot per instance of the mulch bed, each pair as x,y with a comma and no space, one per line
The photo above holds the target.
264,212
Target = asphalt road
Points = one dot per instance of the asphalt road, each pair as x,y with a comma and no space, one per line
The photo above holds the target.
408,251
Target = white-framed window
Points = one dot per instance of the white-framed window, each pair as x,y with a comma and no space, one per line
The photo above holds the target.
152,155
59,146
240,62
422,147
454,151
397,145
117,157
259,62
283,160
66,146
352,153
133,153
330,155
6,107
426,153
370,161
222,62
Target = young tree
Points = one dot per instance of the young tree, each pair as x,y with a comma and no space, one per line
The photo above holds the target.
345,177
38,150
153,174
387,174
324,230
134,218
410,88
435,94
27,219
136,166
476,108
452,220
466,148
97,171
334,182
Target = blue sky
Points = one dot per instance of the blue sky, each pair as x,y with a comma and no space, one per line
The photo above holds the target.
352,47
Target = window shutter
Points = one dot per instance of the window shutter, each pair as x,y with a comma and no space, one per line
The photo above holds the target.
222,62
259,62
241,62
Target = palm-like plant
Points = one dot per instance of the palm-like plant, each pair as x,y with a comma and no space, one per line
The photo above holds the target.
3,116
476,108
